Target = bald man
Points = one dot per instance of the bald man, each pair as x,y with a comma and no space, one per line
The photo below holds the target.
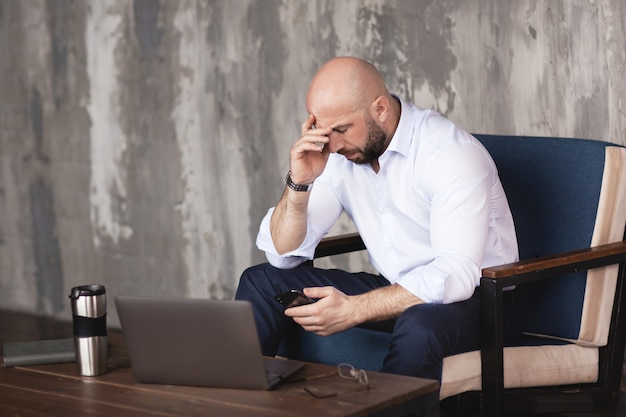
426,199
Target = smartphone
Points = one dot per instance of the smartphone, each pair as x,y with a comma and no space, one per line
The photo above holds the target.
293,298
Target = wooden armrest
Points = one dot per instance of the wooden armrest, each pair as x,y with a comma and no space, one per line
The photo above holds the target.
572,261
336,245
578,260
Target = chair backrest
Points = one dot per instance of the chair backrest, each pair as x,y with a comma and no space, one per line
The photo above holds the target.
565,194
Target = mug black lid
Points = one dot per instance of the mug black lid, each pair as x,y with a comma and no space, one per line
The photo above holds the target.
87,290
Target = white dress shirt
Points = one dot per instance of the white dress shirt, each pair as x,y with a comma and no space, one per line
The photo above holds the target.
432,217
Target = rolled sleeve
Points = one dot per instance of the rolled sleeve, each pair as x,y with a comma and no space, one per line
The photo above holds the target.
288,260
443,281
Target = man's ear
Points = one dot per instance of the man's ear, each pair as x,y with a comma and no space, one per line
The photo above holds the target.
380,109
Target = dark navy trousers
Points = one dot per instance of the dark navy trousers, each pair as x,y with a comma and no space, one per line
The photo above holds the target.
421,336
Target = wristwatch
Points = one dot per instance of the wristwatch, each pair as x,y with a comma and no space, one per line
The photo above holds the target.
297,187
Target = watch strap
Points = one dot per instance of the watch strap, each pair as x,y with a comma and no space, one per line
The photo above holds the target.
297,187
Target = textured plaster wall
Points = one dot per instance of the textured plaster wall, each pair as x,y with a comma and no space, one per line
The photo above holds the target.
142,141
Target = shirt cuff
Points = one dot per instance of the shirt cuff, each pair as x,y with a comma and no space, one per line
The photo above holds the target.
434,284
305,252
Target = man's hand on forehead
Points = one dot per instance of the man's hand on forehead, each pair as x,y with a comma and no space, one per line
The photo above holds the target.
311,130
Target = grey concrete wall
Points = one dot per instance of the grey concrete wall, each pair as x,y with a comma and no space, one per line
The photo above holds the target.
142,141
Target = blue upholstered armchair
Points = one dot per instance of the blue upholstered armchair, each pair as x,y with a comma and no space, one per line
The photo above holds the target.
568,198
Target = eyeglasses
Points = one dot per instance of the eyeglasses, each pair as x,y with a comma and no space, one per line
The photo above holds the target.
346,371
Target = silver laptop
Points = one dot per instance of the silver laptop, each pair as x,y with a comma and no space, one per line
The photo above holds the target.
212,343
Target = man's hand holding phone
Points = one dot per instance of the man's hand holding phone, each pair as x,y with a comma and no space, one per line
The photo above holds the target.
332,313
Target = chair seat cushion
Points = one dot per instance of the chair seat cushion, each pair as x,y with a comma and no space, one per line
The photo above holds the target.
550,365
348,346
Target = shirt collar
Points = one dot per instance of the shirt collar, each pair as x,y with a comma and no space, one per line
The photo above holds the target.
401,139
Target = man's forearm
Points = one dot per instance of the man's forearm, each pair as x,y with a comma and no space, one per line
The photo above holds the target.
384,303
288,224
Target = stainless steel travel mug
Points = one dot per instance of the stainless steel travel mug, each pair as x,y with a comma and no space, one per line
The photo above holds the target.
89,308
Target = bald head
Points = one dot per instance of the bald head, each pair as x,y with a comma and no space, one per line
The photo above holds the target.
346,82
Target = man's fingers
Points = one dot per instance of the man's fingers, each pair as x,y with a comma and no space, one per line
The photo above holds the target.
313,143
308,124
319,292
308,310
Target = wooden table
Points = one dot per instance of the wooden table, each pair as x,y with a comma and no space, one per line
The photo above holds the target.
57,390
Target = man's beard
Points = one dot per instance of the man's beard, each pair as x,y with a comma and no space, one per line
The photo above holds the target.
375,144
